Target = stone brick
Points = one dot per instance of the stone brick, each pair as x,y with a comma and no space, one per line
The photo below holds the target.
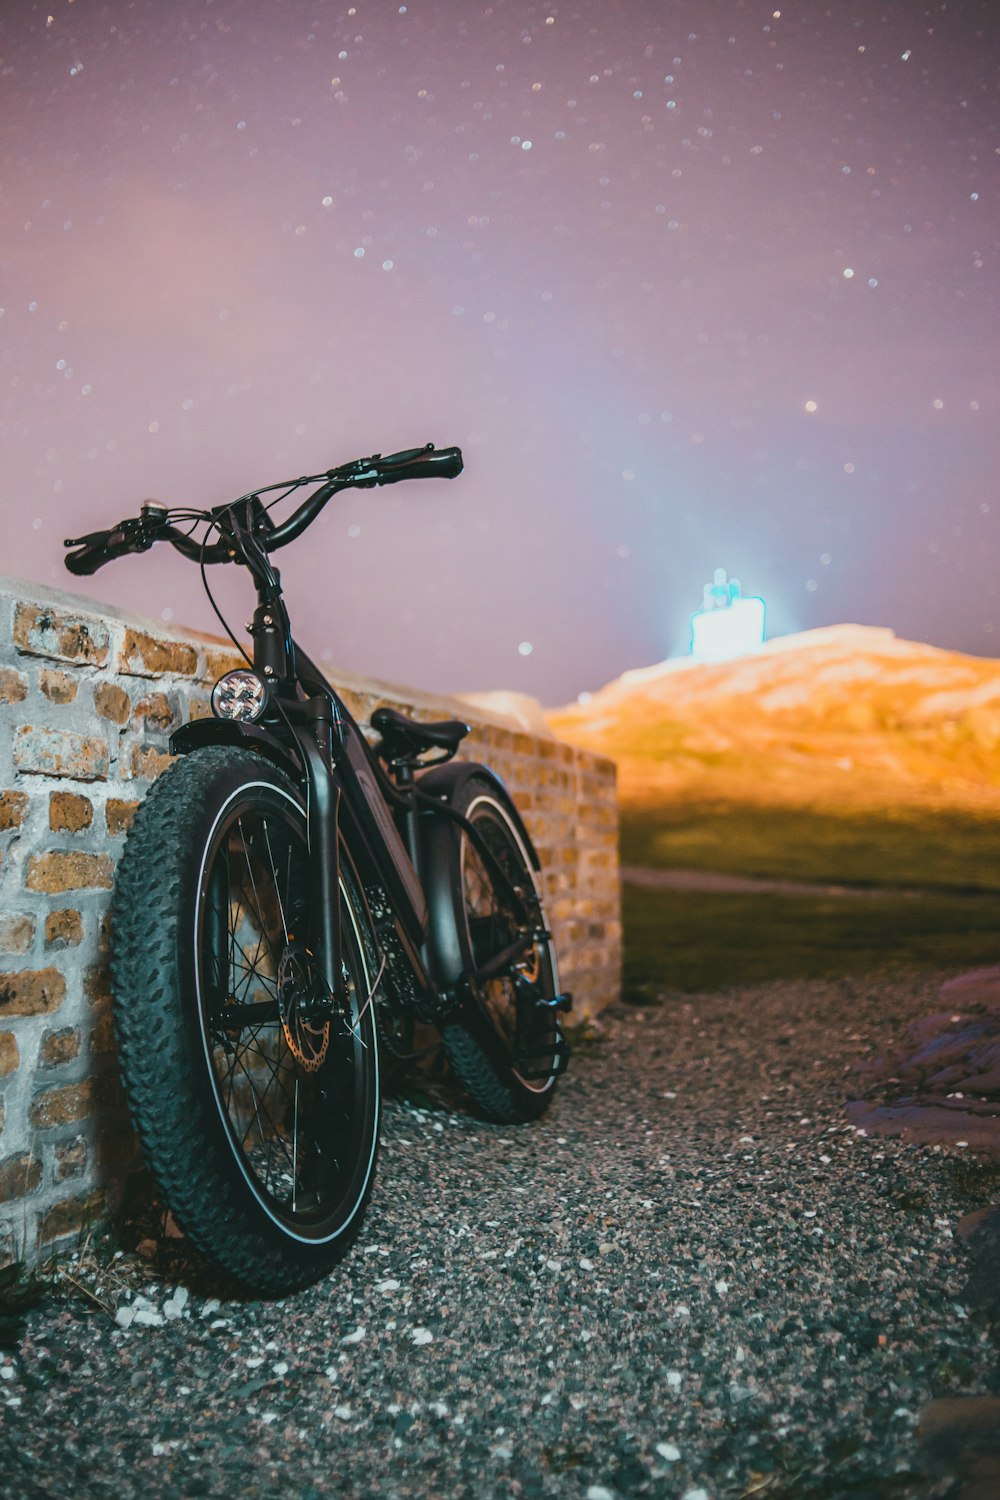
63,929
70,1216
17,933
58,871
119,814
71,1158
31,992
102,1035
62,1106
59,752
69,812
58,687
13,806
218,663
156,710
97,983
60,1047
13,686
147,762
10,1056
41,632
112,702
148,656
19,1176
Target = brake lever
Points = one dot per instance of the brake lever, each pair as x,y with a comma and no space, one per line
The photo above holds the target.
85,541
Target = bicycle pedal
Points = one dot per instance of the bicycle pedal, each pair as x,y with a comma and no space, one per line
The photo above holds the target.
555,1002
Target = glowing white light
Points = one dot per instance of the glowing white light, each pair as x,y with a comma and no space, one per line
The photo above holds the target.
727,625
584,697
938,405
525,648
848,273
387,265
327,202
359,252
811,406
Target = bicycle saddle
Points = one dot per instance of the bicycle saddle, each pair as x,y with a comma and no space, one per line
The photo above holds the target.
402,736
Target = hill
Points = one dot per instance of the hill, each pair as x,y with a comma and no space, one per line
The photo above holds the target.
846,716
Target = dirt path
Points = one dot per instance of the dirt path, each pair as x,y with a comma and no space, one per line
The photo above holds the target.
719,884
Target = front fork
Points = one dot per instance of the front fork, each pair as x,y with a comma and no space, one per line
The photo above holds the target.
315,741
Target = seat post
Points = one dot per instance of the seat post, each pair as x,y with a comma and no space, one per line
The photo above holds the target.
403,769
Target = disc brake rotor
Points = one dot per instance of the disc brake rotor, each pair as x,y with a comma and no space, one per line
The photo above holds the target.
307,1036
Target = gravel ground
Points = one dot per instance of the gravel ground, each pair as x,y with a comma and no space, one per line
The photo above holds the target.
693,1279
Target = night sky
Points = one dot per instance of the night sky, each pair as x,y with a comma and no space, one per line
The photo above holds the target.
692,284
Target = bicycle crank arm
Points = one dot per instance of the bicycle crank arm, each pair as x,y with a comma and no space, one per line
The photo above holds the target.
502,961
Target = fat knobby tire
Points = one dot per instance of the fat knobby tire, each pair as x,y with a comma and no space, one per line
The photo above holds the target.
162,1055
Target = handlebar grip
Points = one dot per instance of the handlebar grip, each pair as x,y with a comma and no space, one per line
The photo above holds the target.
96,549
419,463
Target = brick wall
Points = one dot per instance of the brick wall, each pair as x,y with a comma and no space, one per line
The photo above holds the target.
88,698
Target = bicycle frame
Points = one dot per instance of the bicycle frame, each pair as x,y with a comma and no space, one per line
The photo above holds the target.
311,733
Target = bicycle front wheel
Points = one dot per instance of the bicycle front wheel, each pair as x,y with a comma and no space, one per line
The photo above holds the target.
256,1102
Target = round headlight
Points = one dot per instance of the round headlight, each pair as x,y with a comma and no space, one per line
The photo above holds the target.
240,695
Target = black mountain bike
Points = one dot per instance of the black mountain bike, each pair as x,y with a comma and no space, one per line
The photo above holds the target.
290,902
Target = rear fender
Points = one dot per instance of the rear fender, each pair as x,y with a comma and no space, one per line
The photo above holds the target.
443,783
441,862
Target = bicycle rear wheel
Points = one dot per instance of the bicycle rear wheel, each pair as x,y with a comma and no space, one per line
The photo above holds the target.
505,1044
256,1105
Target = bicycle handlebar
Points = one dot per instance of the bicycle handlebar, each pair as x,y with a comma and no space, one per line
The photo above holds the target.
138,533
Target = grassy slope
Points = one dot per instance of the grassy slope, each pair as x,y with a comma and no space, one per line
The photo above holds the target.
691,940
695,940
915,847
851,791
